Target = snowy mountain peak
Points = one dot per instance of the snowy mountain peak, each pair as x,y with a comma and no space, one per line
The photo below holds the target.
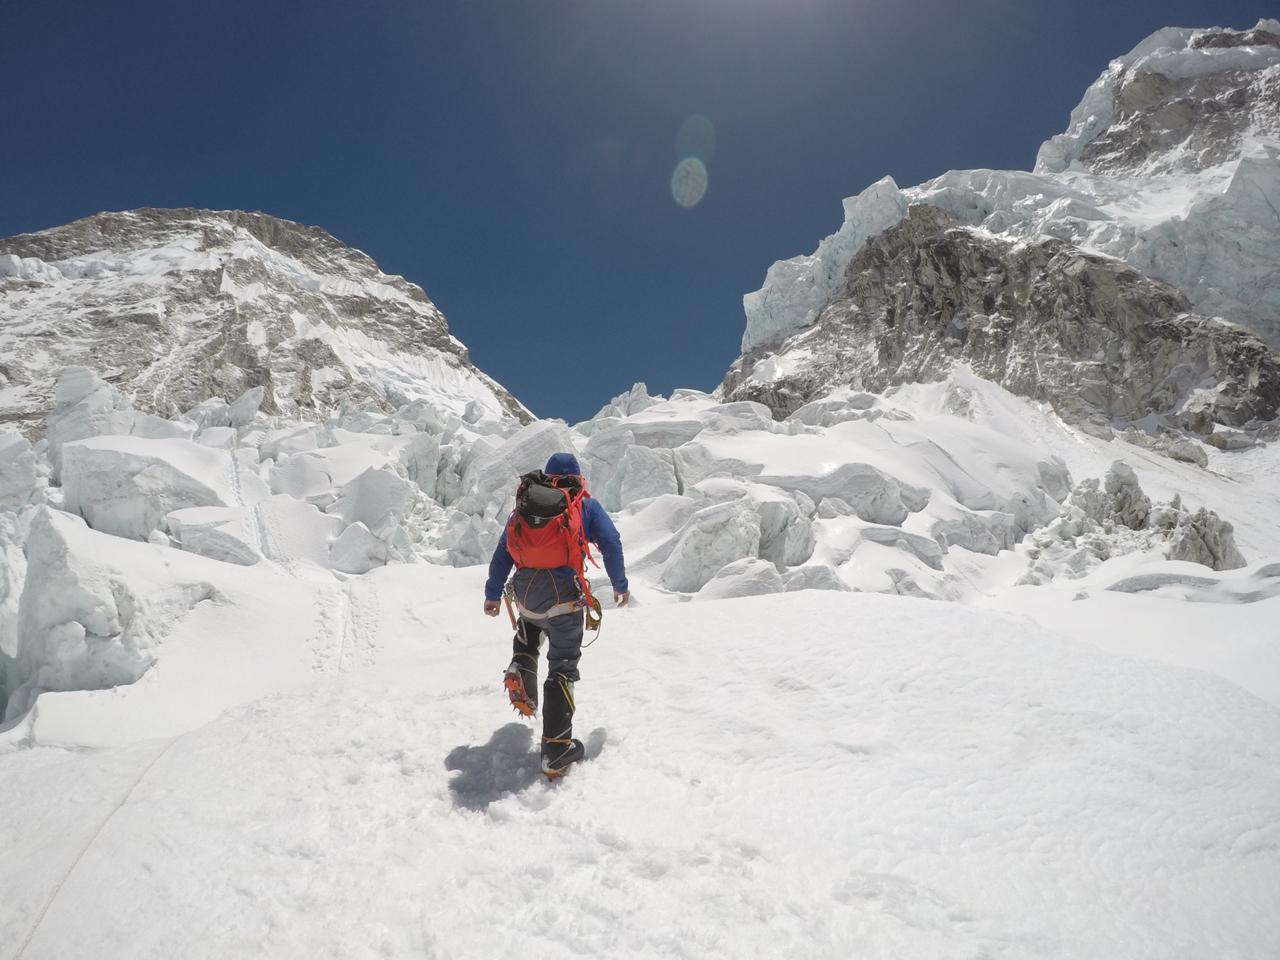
1109,256
183,305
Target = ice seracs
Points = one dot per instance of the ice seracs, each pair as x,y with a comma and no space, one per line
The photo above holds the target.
1104,519
952,490
748,577
81,625
796,290
17,470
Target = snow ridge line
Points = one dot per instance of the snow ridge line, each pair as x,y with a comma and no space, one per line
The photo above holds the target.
91,841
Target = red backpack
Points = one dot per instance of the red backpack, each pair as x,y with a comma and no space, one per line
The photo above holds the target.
545,529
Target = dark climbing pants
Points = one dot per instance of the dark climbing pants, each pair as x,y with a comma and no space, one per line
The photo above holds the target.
538,591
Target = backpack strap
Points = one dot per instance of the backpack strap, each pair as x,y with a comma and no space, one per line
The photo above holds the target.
579,548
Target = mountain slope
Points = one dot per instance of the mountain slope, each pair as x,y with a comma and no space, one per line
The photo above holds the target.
177,306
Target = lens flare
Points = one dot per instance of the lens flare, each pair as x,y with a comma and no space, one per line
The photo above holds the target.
697,138
689,182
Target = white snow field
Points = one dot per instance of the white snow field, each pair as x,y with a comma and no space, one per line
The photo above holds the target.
811,774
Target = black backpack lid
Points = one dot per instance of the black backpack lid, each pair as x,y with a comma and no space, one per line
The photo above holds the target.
537,502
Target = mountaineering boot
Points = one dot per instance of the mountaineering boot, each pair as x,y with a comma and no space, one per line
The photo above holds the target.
557,755
559,749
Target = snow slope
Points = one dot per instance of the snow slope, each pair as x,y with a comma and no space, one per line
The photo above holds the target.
818,774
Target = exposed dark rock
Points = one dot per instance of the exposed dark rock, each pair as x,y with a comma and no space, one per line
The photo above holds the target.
1236,38
1091,336
1167,125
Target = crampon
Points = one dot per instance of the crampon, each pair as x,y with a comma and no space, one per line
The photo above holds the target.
521,702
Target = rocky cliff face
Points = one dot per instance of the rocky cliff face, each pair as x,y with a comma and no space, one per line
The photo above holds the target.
1130,277
176,306
1097,340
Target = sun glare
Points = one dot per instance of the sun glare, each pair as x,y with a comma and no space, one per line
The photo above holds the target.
695,146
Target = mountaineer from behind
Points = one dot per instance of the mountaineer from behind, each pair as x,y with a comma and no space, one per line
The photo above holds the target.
547,539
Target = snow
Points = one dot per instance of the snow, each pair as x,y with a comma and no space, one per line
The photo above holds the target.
436,377
86,406
748,577
712,538
356,550
1167,52
377,499
645,473
957,782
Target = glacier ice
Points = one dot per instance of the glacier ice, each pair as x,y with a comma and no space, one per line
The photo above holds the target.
81,624
126,485
645,472
714,536
356,550
219,533
380,499
748,577
17,470
813,576
871,493
796,290
489,479
87,406
1173,148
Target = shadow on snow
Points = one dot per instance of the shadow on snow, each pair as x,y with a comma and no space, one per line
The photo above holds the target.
506,764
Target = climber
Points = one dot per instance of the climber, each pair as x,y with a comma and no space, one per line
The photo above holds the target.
547,539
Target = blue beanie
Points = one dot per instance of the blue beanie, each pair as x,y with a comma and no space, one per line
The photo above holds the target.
563,465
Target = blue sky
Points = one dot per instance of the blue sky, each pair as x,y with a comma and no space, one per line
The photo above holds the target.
515,158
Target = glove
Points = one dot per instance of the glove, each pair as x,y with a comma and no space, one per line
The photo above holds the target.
491,607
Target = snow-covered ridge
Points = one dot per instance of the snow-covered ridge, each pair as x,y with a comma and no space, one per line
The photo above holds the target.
1176,146
182,305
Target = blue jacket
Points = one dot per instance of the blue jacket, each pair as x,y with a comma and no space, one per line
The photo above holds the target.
599,529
